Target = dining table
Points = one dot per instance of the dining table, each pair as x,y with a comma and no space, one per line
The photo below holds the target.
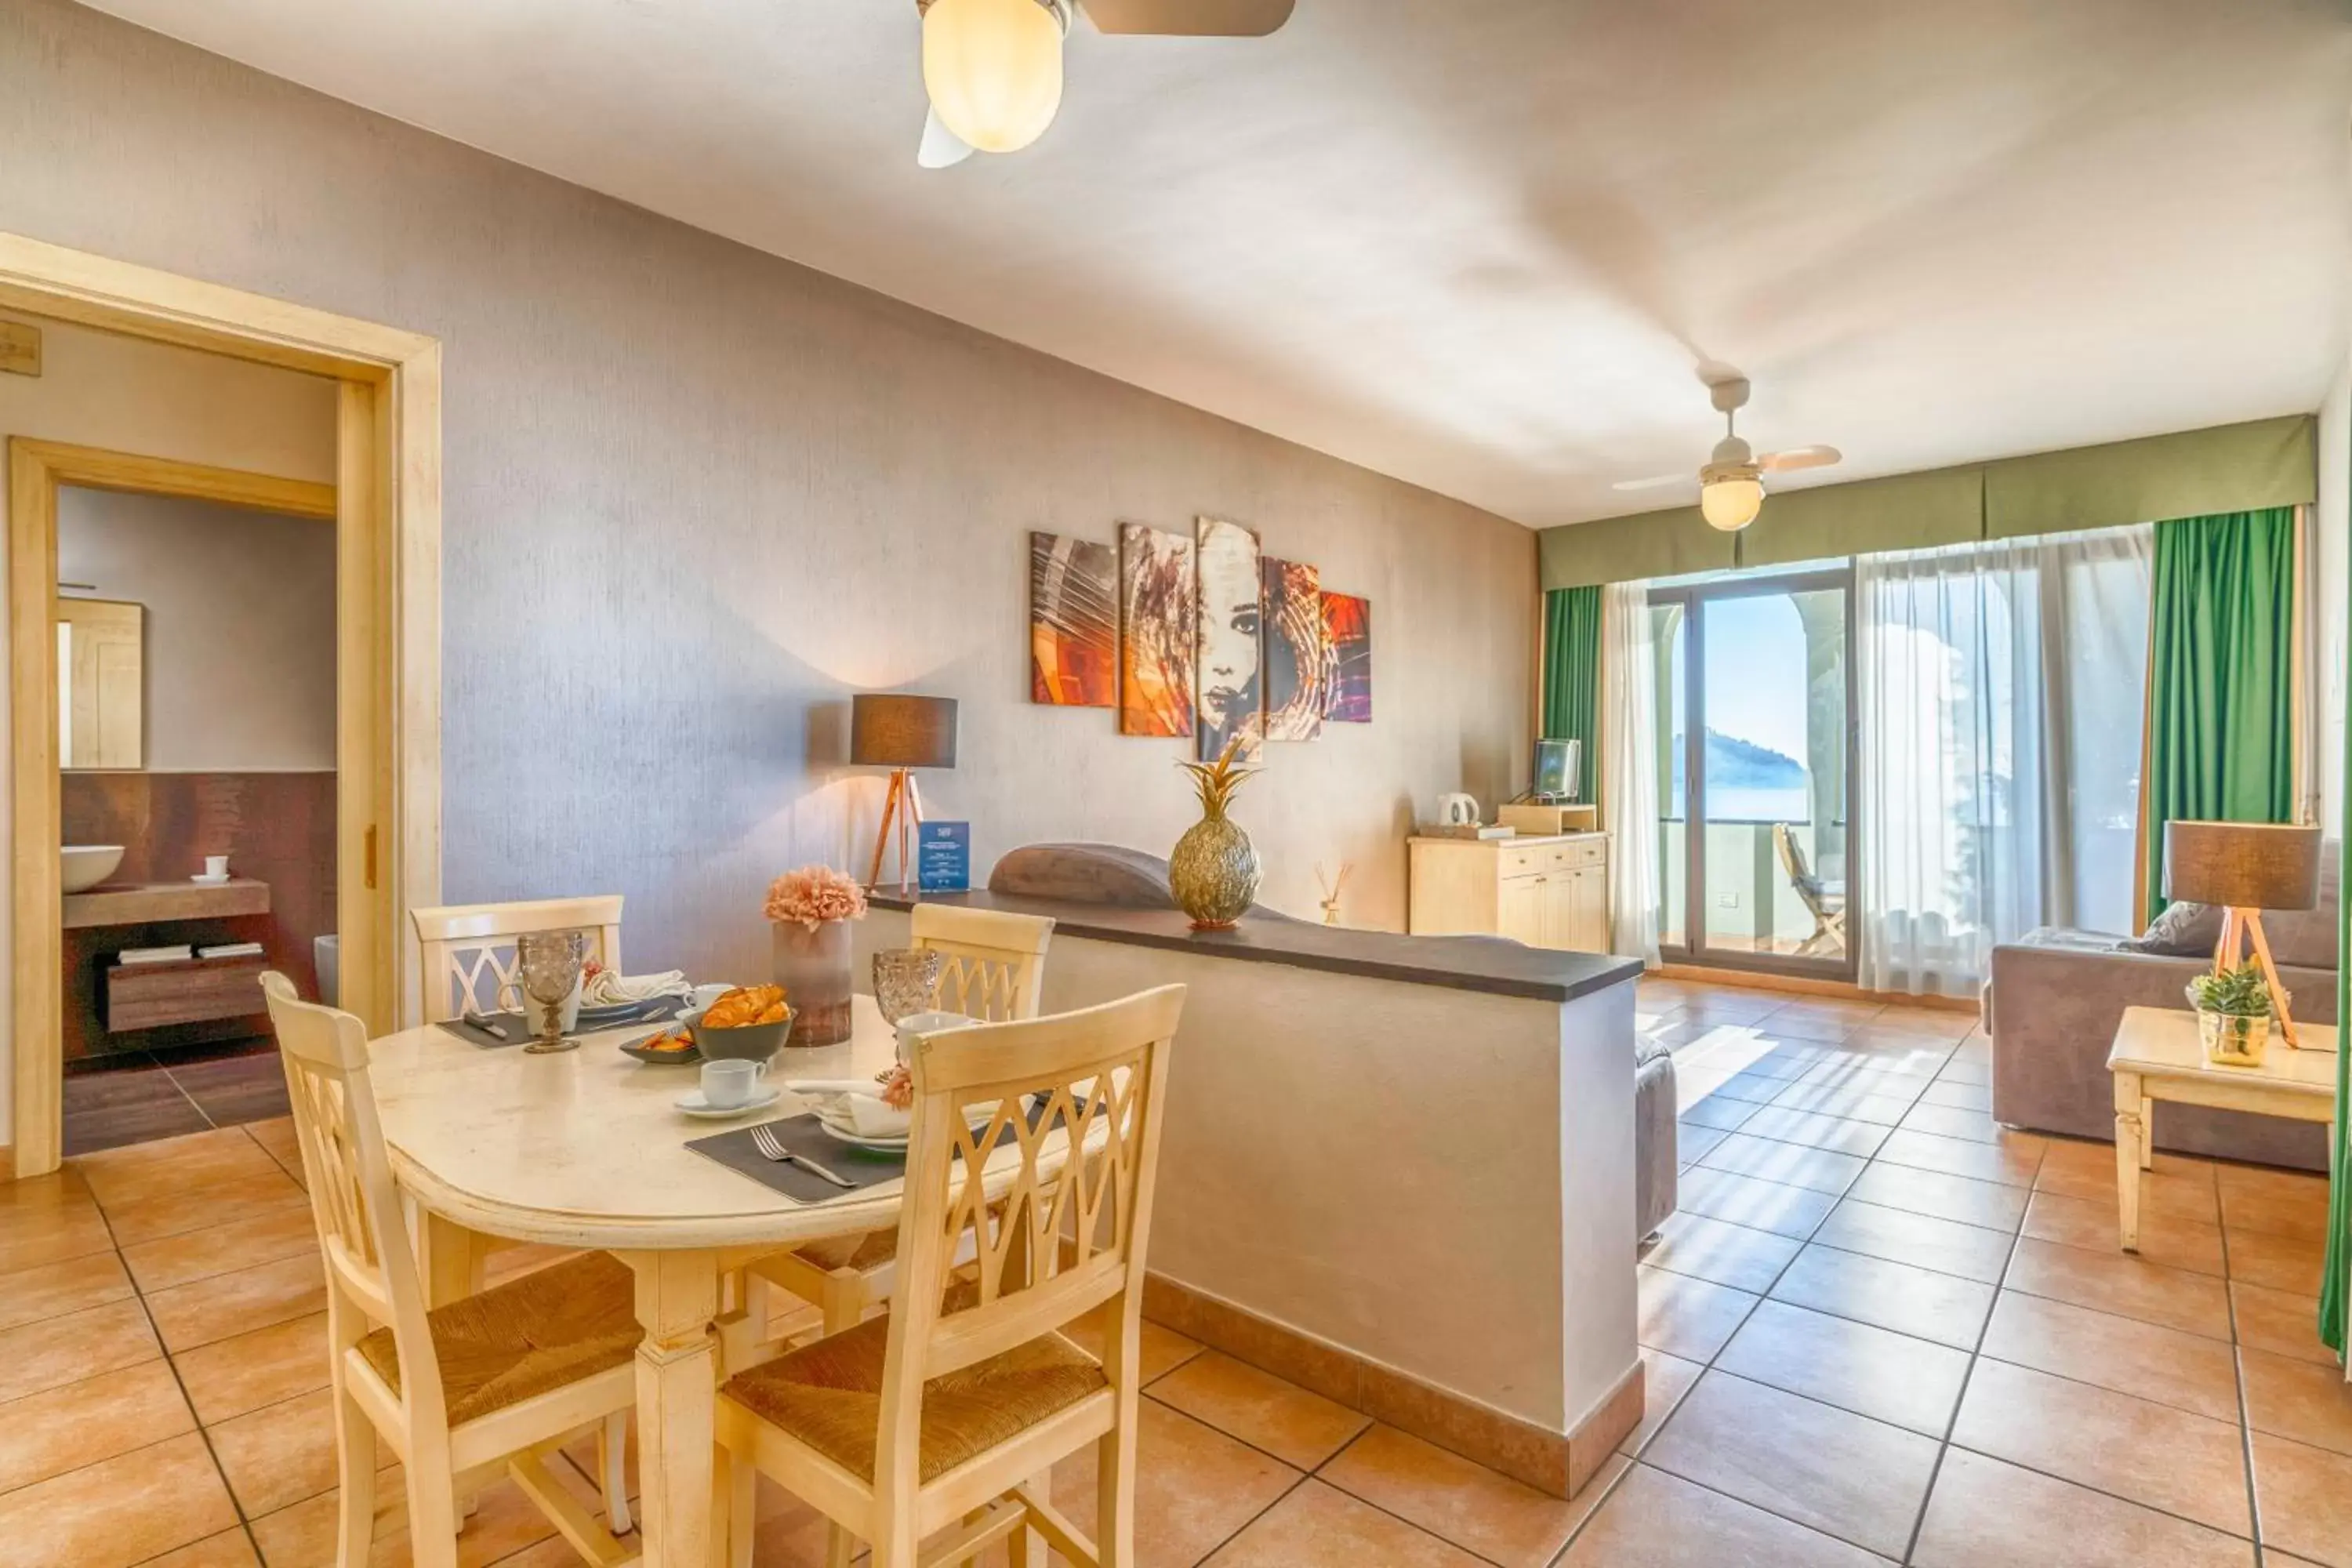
587,1149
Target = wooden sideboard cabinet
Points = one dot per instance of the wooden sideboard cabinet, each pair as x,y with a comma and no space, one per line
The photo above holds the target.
1548,891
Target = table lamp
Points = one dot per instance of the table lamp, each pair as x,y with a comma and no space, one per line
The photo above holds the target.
2245,868
901,732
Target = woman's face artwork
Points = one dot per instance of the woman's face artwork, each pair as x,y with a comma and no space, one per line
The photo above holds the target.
1230,646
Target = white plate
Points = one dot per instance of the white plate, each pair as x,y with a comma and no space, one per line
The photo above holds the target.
693,1104
876,1145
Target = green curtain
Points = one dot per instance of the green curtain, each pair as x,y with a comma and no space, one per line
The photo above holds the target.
2220,743
1571,699
2336,1276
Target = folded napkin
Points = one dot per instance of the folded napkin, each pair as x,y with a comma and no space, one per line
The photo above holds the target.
854,1104
607,989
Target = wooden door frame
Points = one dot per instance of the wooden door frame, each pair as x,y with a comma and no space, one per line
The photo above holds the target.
386,505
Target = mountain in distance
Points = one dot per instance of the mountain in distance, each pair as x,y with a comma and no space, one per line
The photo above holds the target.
1735,763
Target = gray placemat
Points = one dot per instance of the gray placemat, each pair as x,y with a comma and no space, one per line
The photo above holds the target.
862,1167
653,1012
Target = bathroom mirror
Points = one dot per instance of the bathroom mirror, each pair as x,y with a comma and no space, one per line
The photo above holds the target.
101,684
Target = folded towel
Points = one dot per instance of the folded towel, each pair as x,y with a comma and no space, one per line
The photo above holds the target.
180,954
607,989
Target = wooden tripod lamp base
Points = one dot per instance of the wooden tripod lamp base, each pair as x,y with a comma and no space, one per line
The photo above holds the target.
2244,868
903,806
901,732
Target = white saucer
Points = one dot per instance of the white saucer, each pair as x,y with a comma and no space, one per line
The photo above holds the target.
693,1104
209,881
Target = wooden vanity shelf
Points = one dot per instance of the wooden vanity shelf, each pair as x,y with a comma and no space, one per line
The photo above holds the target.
150,995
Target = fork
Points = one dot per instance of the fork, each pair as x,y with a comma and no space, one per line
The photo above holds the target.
772,1149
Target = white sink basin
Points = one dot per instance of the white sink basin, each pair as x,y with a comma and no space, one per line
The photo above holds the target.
87,865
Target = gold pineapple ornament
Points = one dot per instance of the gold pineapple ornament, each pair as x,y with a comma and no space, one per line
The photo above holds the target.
1214,869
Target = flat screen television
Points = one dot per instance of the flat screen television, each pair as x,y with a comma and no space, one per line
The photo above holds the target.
1559,770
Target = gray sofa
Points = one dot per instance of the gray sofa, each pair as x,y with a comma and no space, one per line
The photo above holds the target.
2055,997
1109,874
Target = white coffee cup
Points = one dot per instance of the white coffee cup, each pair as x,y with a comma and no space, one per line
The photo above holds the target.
916,1024
729,1083
216,864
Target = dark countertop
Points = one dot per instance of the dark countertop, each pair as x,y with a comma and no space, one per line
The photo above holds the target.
1495,965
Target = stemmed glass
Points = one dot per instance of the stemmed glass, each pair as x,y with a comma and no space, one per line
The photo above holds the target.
906,979
549,962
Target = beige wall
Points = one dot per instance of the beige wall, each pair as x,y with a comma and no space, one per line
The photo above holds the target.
695,495
240,624
2332,523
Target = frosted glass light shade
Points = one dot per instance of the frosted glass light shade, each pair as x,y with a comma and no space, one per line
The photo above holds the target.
1731,504
994,70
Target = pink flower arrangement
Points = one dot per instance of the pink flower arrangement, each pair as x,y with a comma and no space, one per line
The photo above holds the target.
813,895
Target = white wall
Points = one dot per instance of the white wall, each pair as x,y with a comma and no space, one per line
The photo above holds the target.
2333,521
239,623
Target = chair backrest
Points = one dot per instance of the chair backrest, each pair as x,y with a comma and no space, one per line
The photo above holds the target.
995,965
372,1277
1792,859
468,950
1049,1246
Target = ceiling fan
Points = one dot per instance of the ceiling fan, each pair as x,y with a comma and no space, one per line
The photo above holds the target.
1731,484
993,67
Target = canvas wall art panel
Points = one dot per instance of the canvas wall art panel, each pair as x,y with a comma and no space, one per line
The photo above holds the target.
1157,595
1229,703
1348,621
1072,622
1299,666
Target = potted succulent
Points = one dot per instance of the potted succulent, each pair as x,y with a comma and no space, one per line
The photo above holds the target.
2233,1014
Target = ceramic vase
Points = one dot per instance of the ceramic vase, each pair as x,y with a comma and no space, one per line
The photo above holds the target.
813,967
1214,872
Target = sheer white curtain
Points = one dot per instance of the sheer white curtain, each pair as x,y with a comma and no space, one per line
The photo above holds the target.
2002,693
1629,782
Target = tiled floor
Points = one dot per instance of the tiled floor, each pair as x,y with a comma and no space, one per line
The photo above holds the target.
1879,1331
139,1097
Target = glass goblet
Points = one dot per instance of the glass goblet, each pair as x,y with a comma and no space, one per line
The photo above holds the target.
906,979
549,965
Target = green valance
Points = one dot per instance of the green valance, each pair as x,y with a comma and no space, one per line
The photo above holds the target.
2194,473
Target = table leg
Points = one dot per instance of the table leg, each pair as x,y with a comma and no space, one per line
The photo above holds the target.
2131,1140
2146,1133
677,1367
452,1261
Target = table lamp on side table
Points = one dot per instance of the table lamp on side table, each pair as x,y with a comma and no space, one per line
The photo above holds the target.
2245,868
901,732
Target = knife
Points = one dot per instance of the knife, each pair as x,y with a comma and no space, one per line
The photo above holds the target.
477,1021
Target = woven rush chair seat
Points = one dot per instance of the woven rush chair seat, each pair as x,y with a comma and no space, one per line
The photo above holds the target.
525,1337
828,1394
871,1250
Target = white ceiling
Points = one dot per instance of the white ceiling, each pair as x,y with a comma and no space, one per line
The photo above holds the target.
1484,246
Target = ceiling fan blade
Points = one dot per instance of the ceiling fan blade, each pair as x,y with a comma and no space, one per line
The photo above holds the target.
1797,457
1191,18
1655,481
940,147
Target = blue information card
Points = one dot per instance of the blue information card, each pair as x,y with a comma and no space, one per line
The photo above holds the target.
943,857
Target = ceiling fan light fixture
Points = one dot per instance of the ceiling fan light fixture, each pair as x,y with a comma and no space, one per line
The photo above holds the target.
994,69
1730,495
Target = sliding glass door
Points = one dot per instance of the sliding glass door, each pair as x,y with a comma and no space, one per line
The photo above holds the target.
1756,772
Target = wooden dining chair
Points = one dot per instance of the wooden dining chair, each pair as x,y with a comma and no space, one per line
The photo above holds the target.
494,1382
995,965
467,950
951,1410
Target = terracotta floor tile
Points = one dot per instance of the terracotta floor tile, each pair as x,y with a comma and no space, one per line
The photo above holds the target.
2281,1322
277,1139
1856,1104
1195,1486
1721,1252
1318,1527
1873,1372
1961,1069
1668,1378
1756,1086
47,1434
121,1511
2307,1401
2168,1366
230,1549
1985,1204
2277,1203
1896,1075
142,1171
2174,1195
1858,1479
1653,1520
1160,1350
2008,1160
57,1350
1977,1126
1688,1317
1986,1514
2286,1263
2165,1459
172,1213
58,1199
1761,1205
2306,1497
279,1455
261,1366
1691,1143
1948,1247
54,1239
264,1237
1922,1303
2095,1224
1721,1005
303,1536
1294,1425
1719,1114
230,1304
54,1290
1936,1023
2120,1283
1815,1131
1959,1095
1461,1502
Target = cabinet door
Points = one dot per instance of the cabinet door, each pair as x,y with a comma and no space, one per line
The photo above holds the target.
1590,900
1560,910
1521,908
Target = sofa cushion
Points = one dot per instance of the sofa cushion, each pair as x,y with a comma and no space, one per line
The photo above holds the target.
2182,931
